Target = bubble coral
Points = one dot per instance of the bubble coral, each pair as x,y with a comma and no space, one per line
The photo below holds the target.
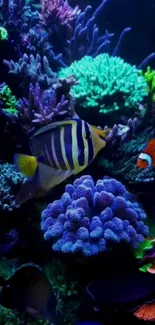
89,217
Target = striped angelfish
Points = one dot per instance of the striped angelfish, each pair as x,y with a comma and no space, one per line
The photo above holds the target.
59,150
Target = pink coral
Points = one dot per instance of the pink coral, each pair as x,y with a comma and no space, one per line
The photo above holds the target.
58,10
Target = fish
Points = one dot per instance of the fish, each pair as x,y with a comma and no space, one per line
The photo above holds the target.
147,156
122,291
59,150
29,291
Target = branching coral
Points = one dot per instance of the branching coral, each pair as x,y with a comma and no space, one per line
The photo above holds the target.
120,133
32,69
44,107
7,100
106,83
89,217
58,11
85,39
10,182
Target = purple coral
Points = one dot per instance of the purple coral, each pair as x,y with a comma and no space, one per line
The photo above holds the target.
122,132
90,216
46,106
58,11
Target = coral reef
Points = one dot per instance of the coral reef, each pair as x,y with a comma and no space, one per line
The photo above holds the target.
10,182
60,59
106,84
89,217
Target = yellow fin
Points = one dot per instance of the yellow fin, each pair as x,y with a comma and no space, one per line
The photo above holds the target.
26,164
102,133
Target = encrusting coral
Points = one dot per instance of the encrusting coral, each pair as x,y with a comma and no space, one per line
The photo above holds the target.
90,217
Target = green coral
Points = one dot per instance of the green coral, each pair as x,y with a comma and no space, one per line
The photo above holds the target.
144,246
150,79
8,101
144,268
65,290
3,33
139,253
106,83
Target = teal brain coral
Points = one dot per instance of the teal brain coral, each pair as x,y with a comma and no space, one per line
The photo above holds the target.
106,83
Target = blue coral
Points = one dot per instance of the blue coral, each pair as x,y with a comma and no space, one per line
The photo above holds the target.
89,217
10,182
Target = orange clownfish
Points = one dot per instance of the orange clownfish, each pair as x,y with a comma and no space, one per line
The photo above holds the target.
147,156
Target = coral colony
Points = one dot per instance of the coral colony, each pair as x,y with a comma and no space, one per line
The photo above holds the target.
89,217
56,65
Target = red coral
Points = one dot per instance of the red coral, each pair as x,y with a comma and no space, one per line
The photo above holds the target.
146,312
58,10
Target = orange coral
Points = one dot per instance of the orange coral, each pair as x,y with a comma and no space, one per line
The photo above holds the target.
146,312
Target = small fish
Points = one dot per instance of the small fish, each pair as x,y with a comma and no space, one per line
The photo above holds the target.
28,291
147,156
60,149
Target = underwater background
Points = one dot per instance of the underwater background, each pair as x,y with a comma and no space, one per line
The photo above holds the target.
77,162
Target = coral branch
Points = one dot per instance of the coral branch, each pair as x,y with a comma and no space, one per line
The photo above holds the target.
44,107
58,11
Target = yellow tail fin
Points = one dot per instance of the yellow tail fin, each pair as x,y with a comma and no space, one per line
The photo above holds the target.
102,133
26,164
